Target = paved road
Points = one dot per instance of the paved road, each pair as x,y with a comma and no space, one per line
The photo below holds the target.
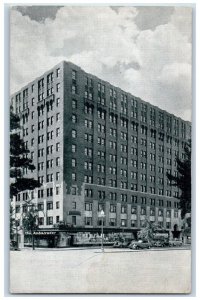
91,271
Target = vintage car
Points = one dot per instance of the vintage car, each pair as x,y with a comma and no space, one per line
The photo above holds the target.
135,245
175,243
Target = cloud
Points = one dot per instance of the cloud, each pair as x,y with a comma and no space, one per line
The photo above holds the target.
154,64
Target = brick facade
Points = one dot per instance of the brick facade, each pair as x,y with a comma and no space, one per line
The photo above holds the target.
95,146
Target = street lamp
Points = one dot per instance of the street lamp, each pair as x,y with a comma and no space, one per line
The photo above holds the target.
102,215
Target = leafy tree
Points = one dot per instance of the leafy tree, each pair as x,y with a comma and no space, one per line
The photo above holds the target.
18,162
30,222
183,180
148,232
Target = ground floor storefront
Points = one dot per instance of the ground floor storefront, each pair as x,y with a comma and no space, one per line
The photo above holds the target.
75,237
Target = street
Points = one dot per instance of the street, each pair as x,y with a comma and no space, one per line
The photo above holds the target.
91,271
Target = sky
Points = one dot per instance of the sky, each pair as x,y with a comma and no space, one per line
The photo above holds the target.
146,51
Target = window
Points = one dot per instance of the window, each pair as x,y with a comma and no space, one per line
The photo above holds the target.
57,102
143,200
113,196
49,192
74,89
133,210
134,163
88,179
73,190
49,220
58,117
73,148
74,118
57,204
49,177
112,222
143,188
40,206
41,221
175,214
74,205
57,146
113,183
74,176
88,152
50,149
123,209
40,139
134,199
73,162
57,176
113,208
88,124
88,221
74,75
89,193
58,161
49,205
124,198
123,223
101,194
101,114
40,193
73,133
58,72
74,104
168,214
57,190
57,132
152,190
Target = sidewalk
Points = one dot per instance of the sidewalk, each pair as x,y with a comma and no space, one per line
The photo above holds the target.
106,249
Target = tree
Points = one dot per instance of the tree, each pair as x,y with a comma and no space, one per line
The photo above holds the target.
29,222
183,180
148,232
18,162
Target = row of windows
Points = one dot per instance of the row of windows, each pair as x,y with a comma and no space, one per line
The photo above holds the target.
113,119
134,114
88,222
124,198
123,222
49,164
49,192
134,210
49,177
124,160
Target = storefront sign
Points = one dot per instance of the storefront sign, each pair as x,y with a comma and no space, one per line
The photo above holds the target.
44,232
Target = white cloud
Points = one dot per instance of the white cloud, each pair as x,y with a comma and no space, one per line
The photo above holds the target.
107,43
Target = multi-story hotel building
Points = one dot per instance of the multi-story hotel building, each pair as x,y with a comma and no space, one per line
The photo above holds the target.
97,147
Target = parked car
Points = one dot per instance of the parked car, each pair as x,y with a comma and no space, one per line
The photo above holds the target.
158,244
117,244
126,243
140,245
176,243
